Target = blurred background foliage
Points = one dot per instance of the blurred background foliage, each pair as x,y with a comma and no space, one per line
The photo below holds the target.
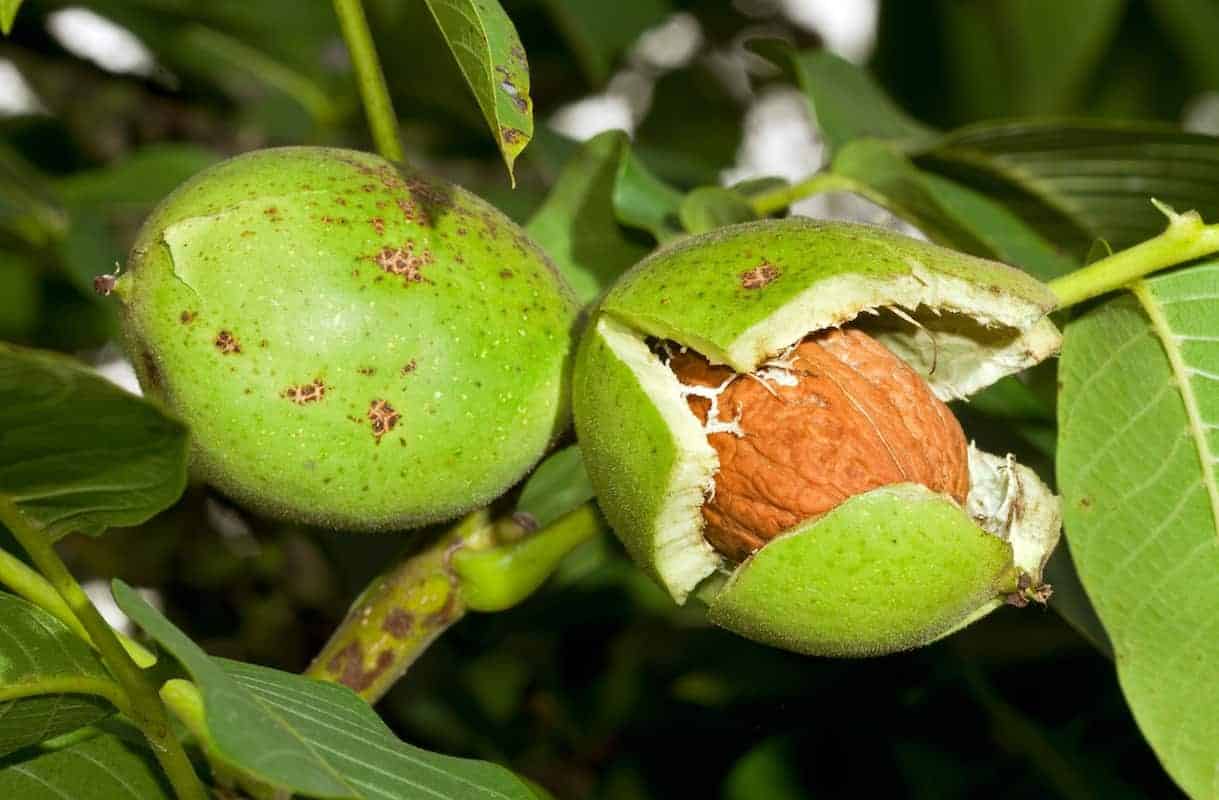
598,687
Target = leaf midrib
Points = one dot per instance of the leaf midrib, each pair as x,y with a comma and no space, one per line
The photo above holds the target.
1180,373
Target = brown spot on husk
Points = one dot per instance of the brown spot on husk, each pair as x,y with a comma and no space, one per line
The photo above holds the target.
187,317
404,261
408,367
306,392
762,275
383,418
413,211
227,343
378,225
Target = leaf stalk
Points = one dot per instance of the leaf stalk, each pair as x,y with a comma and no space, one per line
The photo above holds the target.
767,203
374,93
467,568
1185,239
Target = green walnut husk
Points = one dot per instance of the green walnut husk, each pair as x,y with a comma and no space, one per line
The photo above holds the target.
890,569
353,345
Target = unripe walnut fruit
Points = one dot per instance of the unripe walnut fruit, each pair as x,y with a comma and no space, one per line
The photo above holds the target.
353,344
761,411
834,417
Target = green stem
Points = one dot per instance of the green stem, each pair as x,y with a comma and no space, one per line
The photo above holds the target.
144,705
500,578
101,687
1185,239
377,106
405,609
399,615
27,583
767,203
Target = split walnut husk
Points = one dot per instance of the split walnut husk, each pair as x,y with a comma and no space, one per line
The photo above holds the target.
895,562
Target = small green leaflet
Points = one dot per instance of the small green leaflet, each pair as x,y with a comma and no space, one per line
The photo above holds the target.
51,682
313,738
644,201
8,13
29,209
577,225
79,454
484,42
709,207
1138,439
557,486
768,770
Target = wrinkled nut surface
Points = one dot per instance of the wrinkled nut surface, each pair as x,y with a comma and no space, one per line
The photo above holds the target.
833,417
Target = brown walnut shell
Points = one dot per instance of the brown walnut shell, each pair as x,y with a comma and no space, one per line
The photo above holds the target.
836,416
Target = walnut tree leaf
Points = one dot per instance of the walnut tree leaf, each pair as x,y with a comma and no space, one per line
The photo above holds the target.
577,225
1138,440
51,682
485,44
79,454
104,767
309,737
8,14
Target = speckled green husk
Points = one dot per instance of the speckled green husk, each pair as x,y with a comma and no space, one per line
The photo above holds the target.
352,345
888,570
693,291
